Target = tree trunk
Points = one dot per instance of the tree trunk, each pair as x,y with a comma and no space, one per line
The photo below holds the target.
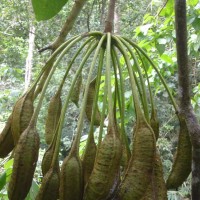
117,20
29,59
186,108
103,11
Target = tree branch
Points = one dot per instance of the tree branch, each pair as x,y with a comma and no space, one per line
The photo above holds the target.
186,108
78,5
110,17
182,57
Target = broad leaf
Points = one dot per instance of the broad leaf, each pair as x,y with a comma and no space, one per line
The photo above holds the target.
168,9
33,191
192,2
46,9
2,180
160,48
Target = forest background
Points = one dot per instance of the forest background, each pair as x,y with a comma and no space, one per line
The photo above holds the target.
149,23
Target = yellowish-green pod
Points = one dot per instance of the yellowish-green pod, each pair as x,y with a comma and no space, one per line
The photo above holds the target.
25,160
157,187
89,158
90,99
71,170
6,140
47,160
21,115
183,158
106,167
54,111
125,154
76,91
138,174
49,189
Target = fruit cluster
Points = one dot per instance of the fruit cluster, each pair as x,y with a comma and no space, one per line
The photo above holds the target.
109,169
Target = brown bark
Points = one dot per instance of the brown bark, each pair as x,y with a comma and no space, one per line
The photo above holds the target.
117,20
103,8
29,59
184,94
110,17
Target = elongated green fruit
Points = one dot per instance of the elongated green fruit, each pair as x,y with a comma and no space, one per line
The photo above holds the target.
47,160
183,158
76,91
157,188
6,140
90,100
71,183
106,167
139,171
21,116
49,189
88,159
25,160
125,154
53,116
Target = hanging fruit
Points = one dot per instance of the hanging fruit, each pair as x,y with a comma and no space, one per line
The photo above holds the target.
108,169
22,113
6,139
54,111
181,167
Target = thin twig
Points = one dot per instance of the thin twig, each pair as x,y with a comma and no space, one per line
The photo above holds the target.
76,9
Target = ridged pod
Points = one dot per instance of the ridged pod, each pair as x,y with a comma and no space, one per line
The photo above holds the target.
183,158
106,167
25,160
157,188
6,140
125,154
49,189
88,159
138,174
90,100
54,111
71,178
76,91
47,160
125,158
115,187
155,124
21,116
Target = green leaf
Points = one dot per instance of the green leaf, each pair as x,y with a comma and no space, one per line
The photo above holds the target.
192,2
2,180
8,164
46,9
168,10
167,58
160,48
196,23
33,191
